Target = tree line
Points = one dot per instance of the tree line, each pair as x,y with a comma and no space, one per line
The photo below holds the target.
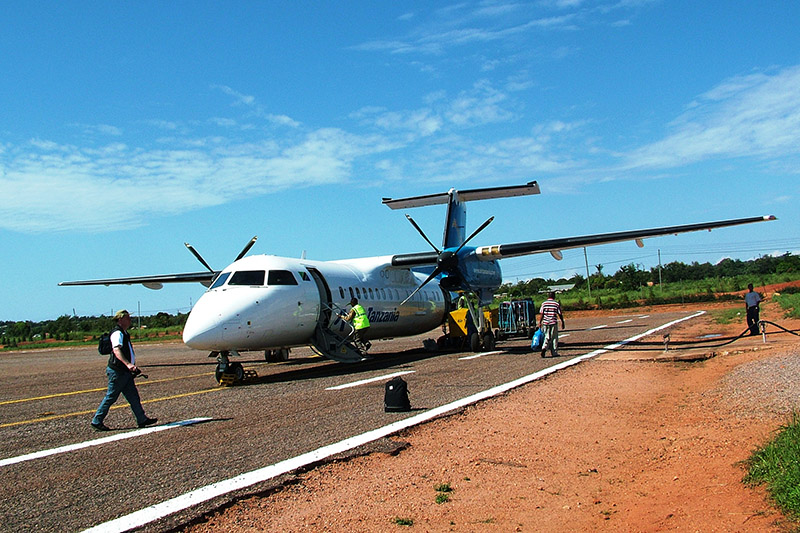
632,277
68,327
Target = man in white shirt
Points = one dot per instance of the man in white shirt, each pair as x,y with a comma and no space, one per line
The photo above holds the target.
121,371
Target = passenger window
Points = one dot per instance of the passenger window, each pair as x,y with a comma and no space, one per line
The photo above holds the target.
370,294
358,293
341,292
281,277
221,279
247,277
383,293
351,292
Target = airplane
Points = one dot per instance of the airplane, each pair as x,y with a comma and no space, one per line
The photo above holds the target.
272,304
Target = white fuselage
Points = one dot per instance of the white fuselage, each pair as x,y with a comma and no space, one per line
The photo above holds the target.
266,302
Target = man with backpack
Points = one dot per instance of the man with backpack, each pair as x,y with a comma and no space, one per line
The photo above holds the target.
121,371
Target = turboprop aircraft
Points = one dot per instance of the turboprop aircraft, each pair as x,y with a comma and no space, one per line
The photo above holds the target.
271,304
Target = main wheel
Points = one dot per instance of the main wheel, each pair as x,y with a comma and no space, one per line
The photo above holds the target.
475,342
488,342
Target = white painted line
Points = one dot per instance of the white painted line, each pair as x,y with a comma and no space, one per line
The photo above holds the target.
467,358
625,321
370,380
562,335
203,494
648,316
98,442
599,327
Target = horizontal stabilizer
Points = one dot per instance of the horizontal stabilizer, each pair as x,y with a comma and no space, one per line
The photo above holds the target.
463,196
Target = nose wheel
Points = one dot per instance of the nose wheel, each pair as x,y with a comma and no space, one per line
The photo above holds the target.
230,375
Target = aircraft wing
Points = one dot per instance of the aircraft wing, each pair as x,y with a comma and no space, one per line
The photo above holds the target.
151,282
554,246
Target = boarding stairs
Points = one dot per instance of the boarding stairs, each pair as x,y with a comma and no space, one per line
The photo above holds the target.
334,339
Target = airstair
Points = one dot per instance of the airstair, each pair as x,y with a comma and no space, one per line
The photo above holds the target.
334,339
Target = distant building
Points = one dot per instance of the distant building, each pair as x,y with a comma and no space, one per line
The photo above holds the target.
558,288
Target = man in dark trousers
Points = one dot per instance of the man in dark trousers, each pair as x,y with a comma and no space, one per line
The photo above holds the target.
751,301
360,322
121,371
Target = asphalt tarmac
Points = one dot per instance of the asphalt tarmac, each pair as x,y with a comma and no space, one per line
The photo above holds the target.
81,478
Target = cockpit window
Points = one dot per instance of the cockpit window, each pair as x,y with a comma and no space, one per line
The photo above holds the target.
247,277
281,277
221,279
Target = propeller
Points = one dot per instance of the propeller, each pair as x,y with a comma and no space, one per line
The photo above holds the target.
205,264
447,260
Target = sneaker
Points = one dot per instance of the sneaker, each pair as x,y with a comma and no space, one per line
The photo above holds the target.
147,422
100,427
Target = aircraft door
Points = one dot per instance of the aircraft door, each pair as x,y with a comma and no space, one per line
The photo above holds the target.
324,296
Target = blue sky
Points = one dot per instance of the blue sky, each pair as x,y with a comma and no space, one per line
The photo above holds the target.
127,129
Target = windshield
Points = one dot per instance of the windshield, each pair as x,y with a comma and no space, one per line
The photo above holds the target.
248,277
221,279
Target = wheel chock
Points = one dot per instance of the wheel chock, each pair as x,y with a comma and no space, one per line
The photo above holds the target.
227,380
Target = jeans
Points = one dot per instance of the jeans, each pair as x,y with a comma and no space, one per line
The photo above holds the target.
550,339
120,381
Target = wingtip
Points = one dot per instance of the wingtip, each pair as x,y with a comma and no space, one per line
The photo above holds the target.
770,217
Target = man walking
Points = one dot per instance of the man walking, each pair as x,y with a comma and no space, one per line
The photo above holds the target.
121,371
751,301
549,315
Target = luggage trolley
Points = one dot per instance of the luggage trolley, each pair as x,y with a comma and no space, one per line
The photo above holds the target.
516,318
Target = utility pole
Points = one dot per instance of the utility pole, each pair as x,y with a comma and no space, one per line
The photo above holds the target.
660,287
588,283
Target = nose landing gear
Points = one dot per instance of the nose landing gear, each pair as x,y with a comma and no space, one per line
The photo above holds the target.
230,373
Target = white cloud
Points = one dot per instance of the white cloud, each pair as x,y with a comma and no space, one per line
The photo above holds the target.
238,97
52,187
750,116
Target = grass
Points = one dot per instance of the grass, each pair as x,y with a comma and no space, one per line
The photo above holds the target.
790,303
726,316
443,491
777,465
408,522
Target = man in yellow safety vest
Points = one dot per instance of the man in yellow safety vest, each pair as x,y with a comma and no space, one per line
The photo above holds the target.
358,317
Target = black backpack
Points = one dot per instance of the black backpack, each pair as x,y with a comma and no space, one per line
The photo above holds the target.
104,344
396,397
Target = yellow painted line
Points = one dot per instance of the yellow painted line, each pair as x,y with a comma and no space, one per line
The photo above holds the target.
118,406
73,393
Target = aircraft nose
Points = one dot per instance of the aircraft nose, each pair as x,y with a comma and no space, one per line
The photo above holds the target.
202,331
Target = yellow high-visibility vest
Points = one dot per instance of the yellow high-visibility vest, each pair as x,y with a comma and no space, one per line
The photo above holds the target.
360,320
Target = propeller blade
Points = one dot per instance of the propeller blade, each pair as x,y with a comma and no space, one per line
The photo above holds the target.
423,234
480,229
247,248
435,273
198,256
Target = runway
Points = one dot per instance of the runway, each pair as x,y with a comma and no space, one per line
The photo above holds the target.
292,409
